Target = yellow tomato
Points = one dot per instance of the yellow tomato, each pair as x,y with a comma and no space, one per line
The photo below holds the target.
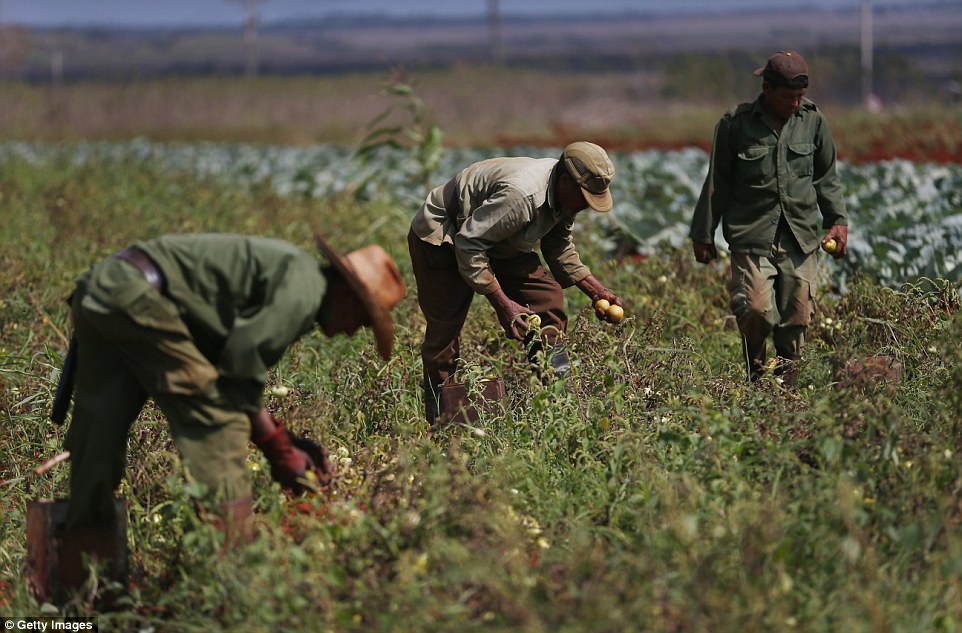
533,320
602,304
830,246
616,313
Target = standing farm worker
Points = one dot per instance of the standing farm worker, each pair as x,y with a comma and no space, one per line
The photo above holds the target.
771,174
195,322
477,234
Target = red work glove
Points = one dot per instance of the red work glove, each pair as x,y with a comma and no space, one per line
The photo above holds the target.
704,252
289,462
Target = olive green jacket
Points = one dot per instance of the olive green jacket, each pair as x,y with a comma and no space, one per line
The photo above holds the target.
757,176
502,207
244,299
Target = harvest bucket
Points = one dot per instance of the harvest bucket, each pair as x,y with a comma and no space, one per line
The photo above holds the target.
457,406
55,556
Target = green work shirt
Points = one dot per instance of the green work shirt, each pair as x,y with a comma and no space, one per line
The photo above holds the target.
244,299
757,177
502,207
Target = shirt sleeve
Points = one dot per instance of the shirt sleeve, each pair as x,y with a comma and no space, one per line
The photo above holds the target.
262,333
562,256
716,190
503,214
828,188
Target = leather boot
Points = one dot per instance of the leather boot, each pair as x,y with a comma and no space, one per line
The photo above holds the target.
755,357
787,368
431,395
235,520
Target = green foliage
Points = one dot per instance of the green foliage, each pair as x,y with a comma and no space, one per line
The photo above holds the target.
655,491
413,132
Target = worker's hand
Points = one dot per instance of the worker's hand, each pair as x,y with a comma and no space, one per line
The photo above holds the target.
317,456
704,252
596,292
290,464
511,315
839,233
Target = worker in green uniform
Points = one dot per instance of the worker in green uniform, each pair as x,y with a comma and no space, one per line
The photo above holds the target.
194,322
771,174
479,233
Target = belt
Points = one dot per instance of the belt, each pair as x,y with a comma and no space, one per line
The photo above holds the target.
140,260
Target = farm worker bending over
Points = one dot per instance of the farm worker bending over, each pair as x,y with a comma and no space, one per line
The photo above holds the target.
478,234
194,322
771,172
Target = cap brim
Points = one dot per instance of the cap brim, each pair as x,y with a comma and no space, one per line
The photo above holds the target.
380,319
601,202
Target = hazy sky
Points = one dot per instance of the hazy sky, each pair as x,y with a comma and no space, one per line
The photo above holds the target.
226,12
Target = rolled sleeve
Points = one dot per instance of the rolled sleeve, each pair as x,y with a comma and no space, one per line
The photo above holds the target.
562,256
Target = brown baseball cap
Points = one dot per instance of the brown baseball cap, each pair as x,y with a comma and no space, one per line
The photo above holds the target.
375,279
591,168
785,68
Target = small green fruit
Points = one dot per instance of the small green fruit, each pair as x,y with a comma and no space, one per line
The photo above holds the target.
830,246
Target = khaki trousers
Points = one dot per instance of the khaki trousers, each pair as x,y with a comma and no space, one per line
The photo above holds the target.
774,296
444,298
131,345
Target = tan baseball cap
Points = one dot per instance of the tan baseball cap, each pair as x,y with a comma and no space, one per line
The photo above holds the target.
591,168
375,279
785,68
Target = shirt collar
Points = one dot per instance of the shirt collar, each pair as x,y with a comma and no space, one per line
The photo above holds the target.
552,177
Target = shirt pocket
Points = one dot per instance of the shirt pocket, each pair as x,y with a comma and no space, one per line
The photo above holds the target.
801,158
754,165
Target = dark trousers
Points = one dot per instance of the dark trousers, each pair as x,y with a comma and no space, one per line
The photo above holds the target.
444,298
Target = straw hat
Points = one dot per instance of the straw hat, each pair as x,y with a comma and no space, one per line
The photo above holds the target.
374,277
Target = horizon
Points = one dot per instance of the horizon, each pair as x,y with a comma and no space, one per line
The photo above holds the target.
224,13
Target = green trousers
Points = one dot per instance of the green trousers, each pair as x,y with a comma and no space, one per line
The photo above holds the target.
131,345
773,296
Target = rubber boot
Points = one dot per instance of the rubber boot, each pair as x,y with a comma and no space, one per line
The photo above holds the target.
558,361
554,358
235,520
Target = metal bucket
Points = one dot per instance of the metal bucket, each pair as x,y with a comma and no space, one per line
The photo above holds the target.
55,555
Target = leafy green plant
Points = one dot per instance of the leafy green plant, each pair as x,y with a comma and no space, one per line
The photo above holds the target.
653,491
412,132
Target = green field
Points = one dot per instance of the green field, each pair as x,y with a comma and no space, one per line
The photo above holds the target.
658,492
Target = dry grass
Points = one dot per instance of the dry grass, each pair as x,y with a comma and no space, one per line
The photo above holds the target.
473,105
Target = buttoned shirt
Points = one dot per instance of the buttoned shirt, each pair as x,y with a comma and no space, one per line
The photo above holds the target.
758,176
244,299
498,208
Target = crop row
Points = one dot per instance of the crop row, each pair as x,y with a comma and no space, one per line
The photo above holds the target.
906,218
